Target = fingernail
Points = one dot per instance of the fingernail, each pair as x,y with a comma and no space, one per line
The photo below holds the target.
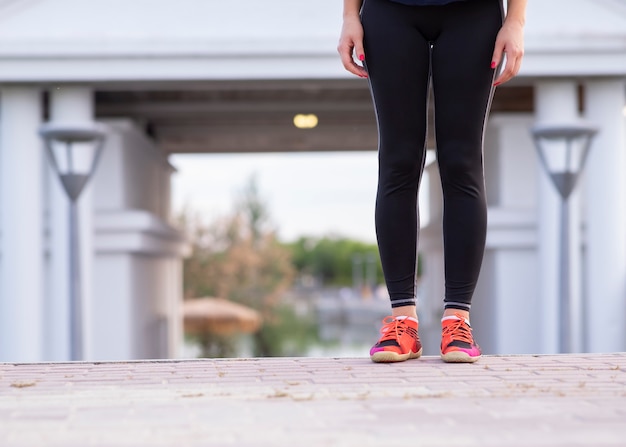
495,84
361,57
493,64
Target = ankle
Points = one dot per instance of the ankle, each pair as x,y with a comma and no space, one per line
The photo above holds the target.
404,311
454,312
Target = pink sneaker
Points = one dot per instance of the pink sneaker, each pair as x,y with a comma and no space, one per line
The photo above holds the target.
398,341
457,342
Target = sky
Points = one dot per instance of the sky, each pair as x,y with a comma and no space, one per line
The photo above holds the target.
308,194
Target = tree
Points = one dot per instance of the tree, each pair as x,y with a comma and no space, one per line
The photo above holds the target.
332,259
239,257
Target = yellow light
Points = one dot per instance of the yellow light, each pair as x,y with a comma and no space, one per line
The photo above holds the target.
302,121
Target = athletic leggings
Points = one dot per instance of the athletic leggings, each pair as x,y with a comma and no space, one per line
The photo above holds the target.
405,48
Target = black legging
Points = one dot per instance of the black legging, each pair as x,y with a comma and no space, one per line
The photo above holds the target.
405,47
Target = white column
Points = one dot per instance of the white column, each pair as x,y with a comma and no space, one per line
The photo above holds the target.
21,225
431,289
606,217
69,105
556,102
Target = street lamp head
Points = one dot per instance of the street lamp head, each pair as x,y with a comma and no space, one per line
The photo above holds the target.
563,150
74,151
73,134
564,131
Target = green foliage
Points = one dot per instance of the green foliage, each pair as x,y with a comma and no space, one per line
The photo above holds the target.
237,257
240,258
255,210
216,345
286,334
331,259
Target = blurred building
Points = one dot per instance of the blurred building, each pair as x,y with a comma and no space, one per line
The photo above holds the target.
207,76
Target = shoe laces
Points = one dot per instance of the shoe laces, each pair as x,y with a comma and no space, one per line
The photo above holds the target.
393,329
458,330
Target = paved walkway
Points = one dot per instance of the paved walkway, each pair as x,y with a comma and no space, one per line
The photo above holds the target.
501,401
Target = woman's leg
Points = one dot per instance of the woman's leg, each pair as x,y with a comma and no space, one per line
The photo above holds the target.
398,63
462,85
397,57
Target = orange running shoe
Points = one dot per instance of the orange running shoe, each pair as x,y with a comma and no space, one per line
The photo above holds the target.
398,342
457,342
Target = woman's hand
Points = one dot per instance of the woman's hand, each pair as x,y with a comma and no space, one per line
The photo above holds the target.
350,42
510,40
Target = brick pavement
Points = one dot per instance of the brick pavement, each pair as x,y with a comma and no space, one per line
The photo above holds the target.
560,400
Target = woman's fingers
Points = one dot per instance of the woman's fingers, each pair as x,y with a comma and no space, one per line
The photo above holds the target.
358,50
498,52
513,64
351,46
345,51
347,59
509,42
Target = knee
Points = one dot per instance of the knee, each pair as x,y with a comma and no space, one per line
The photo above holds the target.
460,161
462,168
400,161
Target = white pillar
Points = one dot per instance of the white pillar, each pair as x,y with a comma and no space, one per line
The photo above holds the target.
556,102
606,217
21,225
431,289
69,105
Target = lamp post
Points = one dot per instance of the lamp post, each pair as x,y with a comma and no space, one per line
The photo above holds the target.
74,152
563,150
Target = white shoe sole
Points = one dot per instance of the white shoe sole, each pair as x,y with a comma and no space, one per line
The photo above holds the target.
389,357
458,357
